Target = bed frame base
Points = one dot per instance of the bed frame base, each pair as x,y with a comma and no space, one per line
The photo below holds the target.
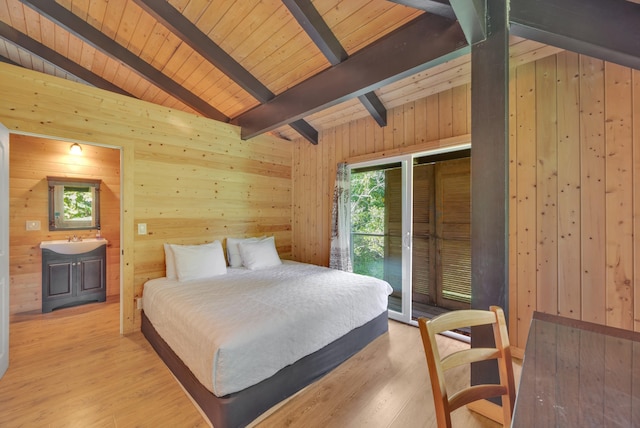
240,408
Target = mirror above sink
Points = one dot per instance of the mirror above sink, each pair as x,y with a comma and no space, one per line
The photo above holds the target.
74,203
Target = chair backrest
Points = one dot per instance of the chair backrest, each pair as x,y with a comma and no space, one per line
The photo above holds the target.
445,404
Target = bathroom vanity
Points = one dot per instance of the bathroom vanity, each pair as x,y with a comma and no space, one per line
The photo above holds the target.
73,273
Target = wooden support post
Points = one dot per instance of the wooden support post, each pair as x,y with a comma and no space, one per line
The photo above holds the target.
489,177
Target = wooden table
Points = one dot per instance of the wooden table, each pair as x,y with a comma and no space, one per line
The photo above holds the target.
578,374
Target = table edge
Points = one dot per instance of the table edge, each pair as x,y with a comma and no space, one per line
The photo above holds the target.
588,326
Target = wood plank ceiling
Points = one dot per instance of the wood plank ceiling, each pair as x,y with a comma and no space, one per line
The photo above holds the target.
241,61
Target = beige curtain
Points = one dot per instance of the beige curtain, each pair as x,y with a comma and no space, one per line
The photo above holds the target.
340,257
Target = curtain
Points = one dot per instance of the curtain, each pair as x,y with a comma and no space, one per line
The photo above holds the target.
340,257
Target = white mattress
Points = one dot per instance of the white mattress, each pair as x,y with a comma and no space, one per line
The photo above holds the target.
238,329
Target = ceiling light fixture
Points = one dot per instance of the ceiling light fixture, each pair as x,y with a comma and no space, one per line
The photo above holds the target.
75,149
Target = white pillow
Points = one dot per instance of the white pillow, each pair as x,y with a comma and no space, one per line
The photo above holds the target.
199,261
169,259
233,253
260,254
169,262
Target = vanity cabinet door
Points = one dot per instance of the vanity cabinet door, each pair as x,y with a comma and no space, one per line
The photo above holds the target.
73,279
91,274
58,278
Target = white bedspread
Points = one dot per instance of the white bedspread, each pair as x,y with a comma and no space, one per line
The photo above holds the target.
238,329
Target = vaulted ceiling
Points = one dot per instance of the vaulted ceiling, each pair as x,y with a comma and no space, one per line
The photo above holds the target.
290,67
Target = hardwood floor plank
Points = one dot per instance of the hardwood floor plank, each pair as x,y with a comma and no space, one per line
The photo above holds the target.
384,385
71,368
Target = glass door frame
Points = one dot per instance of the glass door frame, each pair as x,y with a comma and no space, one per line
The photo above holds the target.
406,161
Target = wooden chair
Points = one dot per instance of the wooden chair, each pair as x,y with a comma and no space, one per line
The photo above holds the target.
444,404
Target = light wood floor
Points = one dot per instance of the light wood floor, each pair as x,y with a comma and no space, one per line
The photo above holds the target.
71,368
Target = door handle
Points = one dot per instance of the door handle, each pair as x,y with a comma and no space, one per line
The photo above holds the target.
406,240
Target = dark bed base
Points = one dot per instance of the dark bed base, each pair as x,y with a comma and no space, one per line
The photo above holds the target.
240,408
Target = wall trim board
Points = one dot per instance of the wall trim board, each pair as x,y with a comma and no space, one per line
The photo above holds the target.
444,143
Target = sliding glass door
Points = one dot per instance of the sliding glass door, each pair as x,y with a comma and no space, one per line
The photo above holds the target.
441,234
410,225
380,243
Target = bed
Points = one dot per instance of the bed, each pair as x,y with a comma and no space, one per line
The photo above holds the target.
242,341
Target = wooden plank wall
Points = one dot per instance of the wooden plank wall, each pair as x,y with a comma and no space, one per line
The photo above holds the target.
575,168
190,192
190,179
576,149
31,160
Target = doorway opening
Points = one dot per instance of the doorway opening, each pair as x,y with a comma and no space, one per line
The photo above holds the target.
32,159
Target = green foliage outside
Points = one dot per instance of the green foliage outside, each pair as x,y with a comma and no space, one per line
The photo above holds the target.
77,203
367,222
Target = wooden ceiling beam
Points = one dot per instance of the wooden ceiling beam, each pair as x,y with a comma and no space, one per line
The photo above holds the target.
472,18
312,23
418,45
179,25
307,131
171,18
95,38
49,55
8,61
470,13
606,30
437,7
375,107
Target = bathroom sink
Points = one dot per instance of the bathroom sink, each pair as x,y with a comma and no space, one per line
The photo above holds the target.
63,246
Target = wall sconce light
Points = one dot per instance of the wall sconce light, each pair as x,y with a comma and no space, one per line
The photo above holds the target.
75,149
